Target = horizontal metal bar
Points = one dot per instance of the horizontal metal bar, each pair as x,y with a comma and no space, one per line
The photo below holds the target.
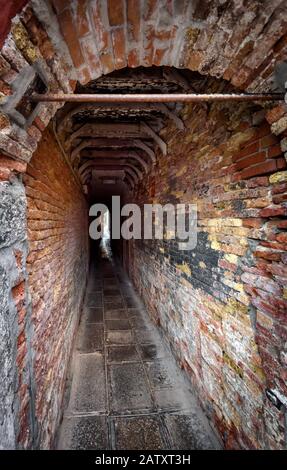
156,98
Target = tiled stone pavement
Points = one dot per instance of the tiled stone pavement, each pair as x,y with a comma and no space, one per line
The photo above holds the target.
127,391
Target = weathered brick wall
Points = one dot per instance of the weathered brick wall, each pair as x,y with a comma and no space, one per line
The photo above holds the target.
13,308
57,265
223,304
24,42
82,40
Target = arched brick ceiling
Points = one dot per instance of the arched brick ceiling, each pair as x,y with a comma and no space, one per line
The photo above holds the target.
237,40
100,137
115,45
97,46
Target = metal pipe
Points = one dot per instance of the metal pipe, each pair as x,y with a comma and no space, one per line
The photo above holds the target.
156,98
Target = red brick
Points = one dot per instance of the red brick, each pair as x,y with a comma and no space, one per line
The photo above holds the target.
70,34
248,150
269,140
13,165
133,58
158,57
274,151
268,255
116,12
133,20
4,174
263,131
91,54
279,188
251,160
9,9
150,9
5,88
276,113
281,163
282,237
107,62
261,169
119,46
281,223
254,223
257,182
85,75
273,211
102,33
81,20
60,5
39,124
279,198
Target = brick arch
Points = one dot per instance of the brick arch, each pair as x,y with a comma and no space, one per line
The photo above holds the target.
103,36
203,45
78,41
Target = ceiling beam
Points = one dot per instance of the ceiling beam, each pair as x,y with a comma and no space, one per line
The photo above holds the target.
111,154
117,130
162,145
107,153
114,143
86,108
135,173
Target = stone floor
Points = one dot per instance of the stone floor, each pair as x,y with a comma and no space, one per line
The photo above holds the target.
126,390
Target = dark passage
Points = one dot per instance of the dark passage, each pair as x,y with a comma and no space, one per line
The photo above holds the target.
126,390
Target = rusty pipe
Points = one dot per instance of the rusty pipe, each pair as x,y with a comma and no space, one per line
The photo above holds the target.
155,98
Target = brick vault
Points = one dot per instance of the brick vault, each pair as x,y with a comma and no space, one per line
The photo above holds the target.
220,307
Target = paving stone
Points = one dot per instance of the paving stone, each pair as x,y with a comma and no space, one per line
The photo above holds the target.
94,300
140,323
85,433
127,291
88,392
188,432
117,314
149,352
161,374
93,315
147,335
113,303
110,299
91,338
117,354
131,302
118,324
139,434
120,337
109,307
134,312
111,296
112,292
95,286
97,292
173,399
129,389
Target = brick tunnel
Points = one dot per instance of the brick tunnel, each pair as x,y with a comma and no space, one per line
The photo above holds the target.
135,343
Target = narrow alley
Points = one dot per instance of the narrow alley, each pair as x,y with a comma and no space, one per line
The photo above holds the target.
125,389
164,124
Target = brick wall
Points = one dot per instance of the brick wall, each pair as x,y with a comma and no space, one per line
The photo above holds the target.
13,305
57,266
241,192
222,305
